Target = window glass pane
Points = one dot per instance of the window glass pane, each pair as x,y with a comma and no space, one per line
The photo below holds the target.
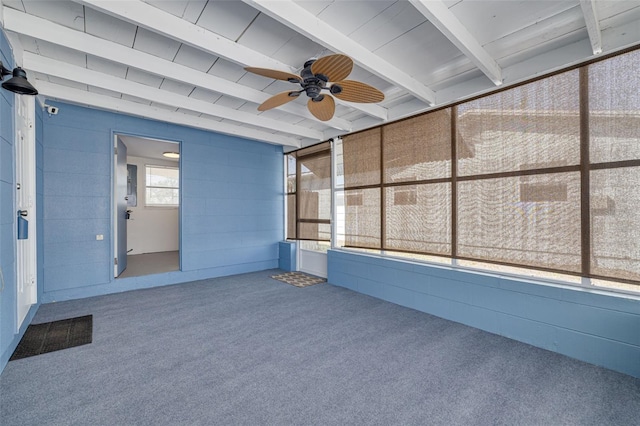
418,148
291,216
314,187
162,196
320,246
163,177
291,173
418,218
512,220
615,223
315,231
362,218
614,108
532,126
361,156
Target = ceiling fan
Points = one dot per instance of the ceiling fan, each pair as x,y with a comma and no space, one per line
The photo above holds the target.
327,73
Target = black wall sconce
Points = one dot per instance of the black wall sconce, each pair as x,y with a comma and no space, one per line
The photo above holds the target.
18,83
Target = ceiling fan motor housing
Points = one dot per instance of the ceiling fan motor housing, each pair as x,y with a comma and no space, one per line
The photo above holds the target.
328,73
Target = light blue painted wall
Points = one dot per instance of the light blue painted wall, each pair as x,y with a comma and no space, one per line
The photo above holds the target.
288,256
232,206
591,326
9,339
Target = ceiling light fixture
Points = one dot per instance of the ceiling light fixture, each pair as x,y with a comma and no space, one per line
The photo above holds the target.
170,154
18,83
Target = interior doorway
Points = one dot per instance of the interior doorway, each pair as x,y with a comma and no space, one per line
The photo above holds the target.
146,195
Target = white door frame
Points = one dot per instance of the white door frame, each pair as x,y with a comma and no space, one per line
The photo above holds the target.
25,178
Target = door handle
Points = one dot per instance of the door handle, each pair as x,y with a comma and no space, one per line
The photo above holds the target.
23,213
126,198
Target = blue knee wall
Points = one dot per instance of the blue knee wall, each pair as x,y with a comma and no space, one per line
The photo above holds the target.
589,325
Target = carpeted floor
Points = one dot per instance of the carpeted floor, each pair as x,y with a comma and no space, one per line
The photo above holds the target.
251,350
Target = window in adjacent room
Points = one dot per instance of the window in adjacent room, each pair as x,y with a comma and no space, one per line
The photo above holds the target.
162,186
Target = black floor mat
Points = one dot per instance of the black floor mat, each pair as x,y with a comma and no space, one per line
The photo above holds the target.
54,336
298,279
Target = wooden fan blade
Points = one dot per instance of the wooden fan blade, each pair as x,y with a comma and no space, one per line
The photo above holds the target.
277,100
323,110
357,91
278,75
335,67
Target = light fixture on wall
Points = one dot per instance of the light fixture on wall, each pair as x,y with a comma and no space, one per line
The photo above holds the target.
18,83
170,154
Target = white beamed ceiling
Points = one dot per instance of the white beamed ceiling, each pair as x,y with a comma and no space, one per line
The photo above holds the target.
183,61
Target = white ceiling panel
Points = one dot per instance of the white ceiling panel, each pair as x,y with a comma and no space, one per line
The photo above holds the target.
314,6
229,102
254,81
176,8
488,21
61,53
298,50
138,76
525,37
68,83
227,18
149,148
101,91
611,19
130,98
14,4
188,10
108,67
608,9
531,36
194,58
227,70
267,36
419,49
155,44
390,24
29,44
66,13
177,87
205,95
109,28
348,16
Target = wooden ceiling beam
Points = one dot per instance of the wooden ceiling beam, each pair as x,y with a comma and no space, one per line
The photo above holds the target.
41,64
82,97
42,29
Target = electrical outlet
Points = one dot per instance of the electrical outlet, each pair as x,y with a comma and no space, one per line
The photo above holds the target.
99,237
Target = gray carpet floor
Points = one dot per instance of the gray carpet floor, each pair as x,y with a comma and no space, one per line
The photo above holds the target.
251,350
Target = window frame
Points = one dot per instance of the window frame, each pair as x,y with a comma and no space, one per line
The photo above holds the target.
147,186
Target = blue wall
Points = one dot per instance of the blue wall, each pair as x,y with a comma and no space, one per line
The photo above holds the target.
585,324
288,256
232,207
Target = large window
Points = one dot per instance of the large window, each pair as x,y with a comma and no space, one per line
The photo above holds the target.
162,186
543,176
309,193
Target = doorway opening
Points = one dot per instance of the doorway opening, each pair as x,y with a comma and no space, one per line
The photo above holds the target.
147,206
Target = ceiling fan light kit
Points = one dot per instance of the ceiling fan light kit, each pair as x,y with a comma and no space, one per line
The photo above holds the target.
327,73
